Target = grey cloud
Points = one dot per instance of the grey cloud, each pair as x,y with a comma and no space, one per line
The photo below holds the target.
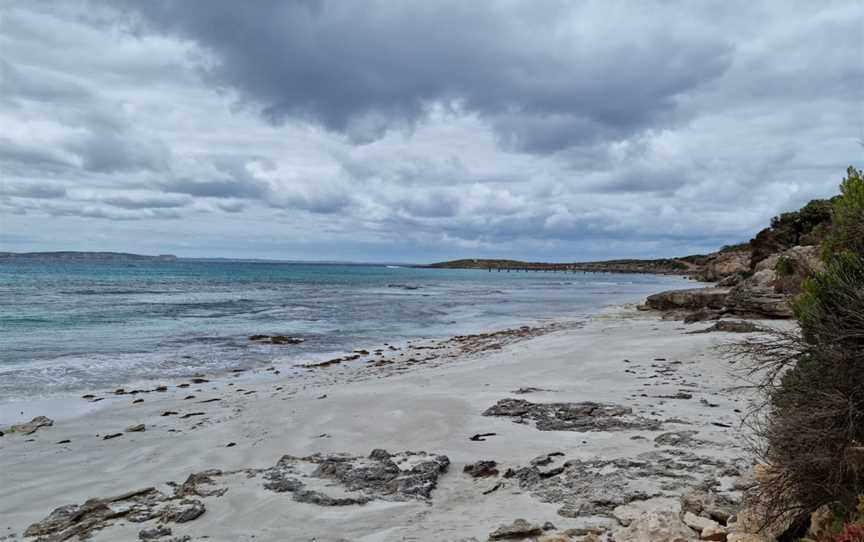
32,190
361,68
146,202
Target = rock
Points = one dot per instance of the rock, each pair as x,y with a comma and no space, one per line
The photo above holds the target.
655,527
402,476
710,505
698,523
136,428
32,426
81,521
746,537
112,435
183,511
677,438
821,523
725,264
701,315
518,529
694,298
584,416
748,300
481,469
156,532
732,326
715,533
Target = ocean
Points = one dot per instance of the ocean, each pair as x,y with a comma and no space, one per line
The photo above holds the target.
73,326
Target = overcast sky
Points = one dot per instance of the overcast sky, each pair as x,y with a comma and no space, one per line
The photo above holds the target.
420,131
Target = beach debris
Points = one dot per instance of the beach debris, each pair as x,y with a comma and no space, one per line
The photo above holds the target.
583,416
136,401
381,475
520,528
64,441
191,414
169,413
231,445
161,388
32,426
138,428
481,437
112,435
210,400
481,469
199,380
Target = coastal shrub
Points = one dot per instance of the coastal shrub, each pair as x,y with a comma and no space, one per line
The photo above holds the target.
810,428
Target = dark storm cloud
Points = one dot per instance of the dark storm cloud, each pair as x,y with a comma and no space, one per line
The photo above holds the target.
547,74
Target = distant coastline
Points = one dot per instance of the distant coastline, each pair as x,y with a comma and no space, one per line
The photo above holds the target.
84,256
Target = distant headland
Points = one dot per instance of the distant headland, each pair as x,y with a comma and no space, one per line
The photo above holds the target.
84,256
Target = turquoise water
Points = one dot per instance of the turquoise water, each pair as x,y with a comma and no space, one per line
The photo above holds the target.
73,326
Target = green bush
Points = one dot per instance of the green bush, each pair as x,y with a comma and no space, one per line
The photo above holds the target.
813,428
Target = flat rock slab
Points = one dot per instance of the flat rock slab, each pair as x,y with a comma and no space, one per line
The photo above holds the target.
343,480
583,416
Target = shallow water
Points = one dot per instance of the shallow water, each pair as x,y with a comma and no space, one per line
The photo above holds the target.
72,326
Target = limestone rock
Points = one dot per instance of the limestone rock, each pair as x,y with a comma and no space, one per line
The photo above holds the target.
518,529
154,533
481,469
710,505
136,428
583,416
698,523
748,300
746,537
32,426
725,264
715,533
655,527
693,298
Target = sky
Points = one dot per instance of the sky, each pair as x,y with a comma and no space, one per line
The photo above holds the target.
420,131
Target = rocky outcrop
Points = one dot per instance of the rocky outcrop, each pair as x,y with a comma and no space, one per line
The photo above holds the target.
584,416
81,521
721,265
758,302
690,299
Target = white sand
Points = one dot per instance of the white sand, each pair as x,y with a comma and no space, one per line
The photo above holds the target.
430,407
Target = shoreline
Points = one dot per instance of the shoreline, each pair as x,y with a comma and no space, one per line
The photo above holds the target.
433,405
66,404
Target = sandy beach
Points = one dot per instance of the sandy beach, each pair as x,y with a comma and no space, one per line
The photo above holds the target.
665,422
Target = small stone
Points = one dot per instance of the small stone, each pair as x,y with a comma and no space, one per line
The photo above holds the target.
136,428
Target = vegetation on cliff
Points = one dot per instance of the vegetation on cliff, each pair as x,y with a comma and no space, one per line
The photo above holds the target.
812,425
